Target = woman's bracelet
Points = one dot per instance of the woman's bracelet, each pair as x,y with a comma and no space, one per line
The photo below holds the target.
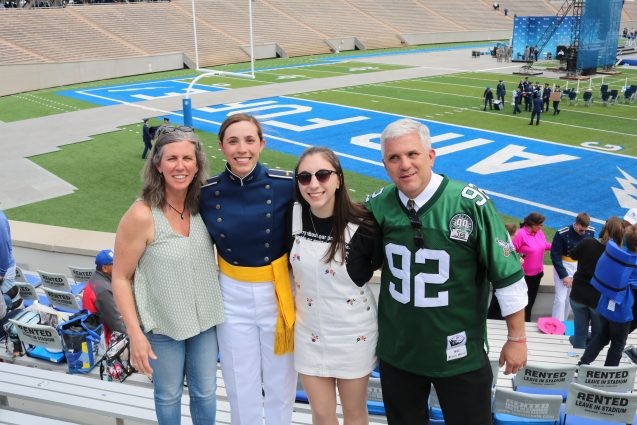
516,338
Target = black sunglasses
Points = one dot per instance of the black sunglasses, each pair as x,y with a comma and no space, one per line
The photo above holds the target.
414,220
322,176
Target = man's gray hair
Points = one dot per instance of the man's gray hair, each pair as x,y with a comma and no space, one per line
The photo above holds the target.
403,127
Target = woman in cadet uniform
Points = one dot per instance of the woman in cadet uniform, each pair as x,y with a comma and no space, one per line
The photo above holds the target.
245,209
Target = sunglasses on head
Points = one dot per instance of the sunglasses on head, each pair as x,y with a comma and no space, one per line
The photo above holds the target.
164,129
322,176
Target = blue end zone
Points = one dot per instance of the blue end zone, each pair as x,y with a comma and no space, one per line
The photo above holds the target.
519,174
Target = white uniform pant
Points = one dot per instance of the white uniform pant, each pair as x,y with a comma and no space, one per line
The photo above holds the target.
248,363
561,304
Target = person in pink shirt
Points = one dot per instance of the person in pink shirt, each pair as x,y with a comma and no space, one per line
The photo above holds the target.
530,242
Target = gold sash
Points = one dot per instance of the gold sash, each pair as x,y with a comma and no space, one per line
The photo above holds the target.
277,273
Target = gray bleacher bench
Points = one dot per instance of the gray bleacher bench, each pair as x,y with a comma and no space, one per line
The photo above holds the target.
80,393
11,417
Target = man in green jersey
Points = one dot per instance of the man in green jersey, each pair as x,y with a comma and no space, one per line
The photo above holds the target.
444,242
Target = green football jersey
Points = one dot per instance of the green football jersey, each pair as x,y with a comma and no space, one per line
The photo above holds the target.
433,301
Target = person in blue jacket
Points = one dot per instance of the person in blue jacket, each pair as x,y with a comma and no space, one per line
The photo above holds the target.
537,108
10,293
564,267
616,279
146,138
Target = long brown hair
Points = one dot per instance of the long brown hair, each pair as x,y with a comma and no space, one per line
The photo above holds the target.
345,211
612,230
533,218
152,181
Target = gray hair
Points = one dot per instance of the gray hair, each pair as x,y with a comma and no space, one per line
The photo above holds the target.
402,127
153,182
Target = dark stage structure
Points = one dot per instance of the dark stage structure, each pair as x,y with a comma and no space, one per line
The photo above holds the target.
583,35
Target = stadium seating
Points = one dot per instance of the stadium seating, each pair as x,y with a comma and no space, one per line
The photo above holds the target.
605,98
537,379
28,276
60,282
63,301
26,333
630,93
126,30
572,97
29,294
513,407
81,274
608,378
469,14
400,15
588,98
603,407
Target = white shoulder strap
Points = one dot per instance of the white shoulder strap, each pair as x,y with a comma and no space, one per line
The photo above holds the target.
297,219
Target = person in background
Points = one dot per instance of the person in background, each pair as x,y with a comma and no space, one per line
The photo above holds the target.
537,108
564,240
488,98
165,257
546,97
530,242
10,293
335,251
517,101
501,92
557,93
584,297
146,138
443,242
246,209
98,295
527,93
616,278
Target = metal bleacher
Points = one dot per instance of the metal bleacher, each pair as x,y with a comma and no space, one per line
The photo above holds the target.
124,30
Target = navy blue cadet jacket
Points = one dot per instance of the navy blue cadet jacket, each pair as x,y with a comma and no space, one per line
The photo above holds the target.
247,217
564,241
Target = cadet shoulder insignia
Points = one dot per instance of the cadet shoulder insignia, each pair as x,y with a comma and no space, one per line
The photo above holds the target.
211,181
280,174
563,230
